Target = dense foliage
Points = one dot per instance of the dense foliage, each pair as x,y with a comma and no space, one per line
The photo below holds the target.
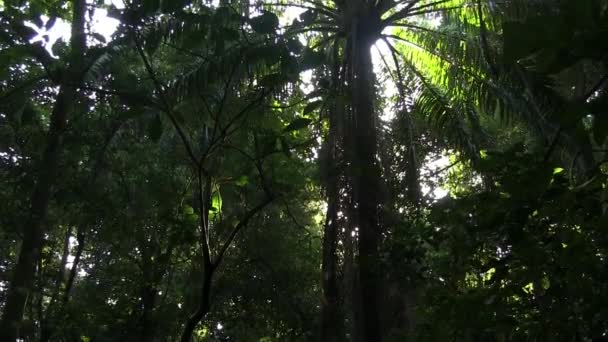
305,170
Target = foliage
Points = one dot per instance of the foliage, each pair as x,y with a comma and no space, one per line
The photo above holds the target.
190,158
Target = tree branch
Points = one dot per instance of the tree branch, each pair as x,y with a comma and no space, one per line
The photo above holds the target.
242,224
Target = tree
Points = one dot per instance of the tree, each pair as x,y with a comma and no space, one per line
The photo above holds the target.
23,274
236,171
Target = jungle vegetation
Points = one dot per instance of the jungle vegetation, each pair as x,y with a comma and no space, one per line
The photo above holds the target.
303,170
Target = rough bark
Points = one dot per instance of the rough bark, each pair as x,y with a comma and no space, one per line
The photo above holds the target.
33,229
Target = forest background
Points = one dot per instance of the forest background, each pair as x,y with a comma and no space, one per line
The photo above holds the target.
305,170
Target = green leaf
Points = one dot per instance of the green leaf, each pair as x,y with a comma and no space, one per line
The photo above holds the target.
188,210
242,181
297,124
155,129
29,115
266,23
216,204
311,59
272,80
285,146
312,106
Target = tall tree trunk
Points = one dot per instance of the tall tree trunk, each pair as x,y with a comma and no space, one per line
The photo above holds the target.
203,308
204,201
148,302
80,238
366,176
331,320
33,228
46,322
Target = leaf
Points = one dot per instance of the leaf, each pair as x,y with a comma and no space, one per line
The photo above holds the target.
242,181
294,46
29,115
285,146
311,59
312,106
308,17
50,23
216,203
99,38
272,80
297,124
155,129
266,23
188,210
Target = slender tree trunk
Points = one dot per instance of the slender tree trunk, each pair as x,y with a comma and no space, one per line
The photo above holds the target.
33,228
366,178
80,238
46,322
148,302
204,199
331,320
204,306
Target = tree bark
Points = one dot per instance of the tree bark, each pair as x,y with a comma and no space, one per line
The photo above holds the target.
366,175
33,228
331,320
46,321
80,238
204,201
203,307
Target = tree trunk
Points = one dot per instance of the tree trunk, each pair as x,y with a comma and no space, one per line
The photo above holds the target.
204,201
47,321
204,306
331,320
148,301
33,228
366,177
80,238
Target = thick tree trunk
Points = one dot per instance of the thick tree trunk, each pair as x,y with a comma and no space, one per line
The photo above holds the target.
33,228
366,178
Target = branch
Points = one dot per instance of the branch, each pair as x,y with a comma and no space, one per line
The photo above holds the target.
25,84
242,224
597,87
165,102
36,49
410,10
485,47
